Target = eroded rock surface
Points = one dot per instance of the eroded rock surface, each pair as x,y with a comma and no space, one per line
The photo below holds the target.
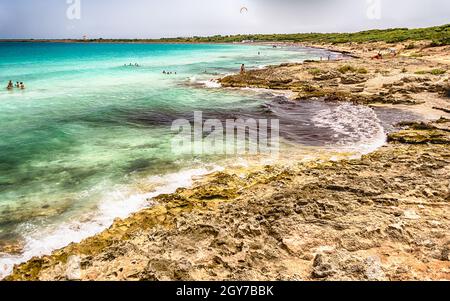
383,217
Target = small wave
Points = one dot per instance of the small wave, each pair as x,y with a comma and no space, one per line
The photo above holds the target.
120,203
357,127
210,84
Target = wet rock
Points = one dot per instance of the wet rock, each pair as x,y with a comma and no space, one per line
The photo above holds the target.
420,137
12,248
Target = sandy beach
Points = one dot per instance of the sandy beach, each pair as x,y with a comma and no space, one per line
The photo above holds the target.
384,216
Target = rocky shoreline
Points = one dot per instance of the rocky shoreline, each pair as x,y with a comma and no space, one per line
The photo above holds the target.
382,217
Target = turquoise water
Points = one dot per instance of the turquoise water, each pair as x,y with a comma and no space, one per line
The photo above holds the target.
89,139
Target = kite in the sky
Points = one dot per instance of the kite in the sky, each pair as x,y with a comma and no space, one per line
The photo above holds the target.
244,10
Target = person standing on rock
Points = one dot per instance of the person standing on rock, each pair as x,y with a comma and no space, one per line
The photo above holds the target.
242,69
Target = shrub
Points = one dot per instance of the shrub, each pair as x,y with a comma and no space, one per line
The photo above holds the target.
432,72
347,68
315,71
437,72
363,71
440,42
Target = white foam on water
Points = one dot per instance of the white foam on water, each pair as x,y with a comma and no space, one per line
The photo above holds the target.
121,202
211,84
357,127
285,93
193,79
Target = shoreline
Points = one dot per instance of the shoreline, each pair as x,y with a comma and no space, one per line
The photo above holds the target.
224,191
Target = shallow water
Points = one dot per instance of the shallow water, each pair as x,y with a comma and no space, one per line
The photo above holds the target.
90,140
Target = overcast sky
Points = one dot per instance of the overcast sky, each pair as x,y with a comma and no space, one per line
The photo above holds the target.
173,18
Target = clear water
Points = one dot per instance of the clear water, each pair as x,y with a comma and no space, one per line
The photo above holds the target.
89,139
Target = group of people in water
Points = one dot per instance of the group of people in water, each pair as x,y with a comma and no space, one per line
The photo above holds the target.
132,65
18,85
169,72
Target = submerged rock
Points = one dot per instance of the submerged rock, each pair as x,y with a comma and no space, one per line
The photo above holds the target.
420,137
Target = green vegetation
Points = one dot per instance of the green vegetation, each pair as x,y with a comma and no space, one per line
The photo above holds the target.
347,68
432,72
315,71
439,35
363,71
415,54
445,40
437,72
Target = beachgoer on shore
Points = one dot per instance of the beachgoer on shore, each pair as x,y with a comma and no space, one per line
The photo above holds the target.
242,68
10,85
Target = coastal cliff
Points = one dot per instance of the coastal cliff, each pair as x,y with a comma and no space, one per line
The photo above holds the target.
382,217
